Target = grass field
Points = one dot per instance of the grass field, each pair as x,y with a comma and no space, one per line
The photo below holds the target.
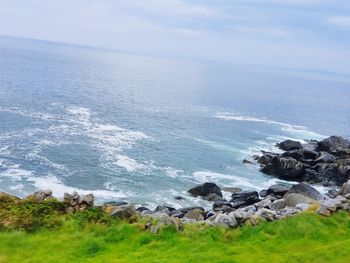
88,238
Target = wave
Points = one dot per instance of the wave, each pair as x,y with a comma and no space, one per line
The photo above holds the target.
58,188
300,131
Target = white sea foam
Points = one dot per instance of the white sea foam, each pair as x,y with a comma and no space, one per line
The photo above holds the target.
300,131
129,164
58,188
15,173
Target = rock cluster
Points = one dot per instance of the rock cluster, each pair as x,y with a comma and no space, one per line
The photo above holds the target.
326,162
75,202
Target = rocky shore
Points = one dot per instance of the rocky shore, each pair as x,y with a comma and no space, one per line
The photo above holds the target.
326,162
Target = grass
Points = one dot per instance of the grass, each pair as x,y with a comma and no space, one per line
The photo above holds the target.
92,236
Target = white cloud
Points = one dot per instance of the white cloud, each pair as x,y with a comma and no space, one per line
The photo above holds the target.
341,21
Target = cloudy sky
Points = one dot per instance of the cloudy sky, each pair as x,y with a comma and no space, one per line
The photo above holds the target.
312,34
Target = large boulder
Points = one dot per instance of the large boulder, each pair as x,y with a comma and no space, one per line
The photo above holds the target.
334,145
286,168
305,190
293,199
205,190
124,212
244,198
289,145
226,220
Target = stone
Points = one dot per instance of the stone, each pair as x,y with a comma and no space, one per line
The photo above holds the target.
323,210
278,190
222,206
289,145
226,220
263,193
244,198
39,196
293,199
305,190
205,189
245,161
179,198
165,209
115,203
324,157
286,168
196,214
265,203
267,214
302,206
278,205
287,212
141,209
333,145
86,199
124,212
47,192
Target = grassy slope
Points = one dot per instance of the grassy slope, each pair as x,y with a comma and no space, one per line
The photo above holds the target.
304,238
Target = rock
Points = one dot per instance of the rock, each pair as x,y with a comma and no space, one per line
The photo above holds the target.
209,214
322,210
278,205
263,193
295,154
226,220
205,189
222,206
345,189
305,190
39,196
324,157
343,171
287,212
232,190
165,209
86,199
287,168
267,214
245,161
278,190
332,193
244,198
196,214
266,158
124,212
71,200
265,203
289,145
47,192
141,209
293,199
334,145
179,198
241,215
302,206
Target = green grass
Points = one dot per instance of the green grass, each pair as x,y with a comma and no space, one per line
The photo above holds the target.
94,237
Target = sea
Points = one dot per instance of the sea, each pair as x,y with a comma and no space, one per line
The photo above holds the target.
145,129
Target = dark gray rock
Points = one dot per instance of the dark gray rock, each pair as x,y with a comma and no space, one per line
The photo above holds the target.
205,189
334,145
179,198
244,198
289,145
286,168
141,209
278,190
115,203
263,193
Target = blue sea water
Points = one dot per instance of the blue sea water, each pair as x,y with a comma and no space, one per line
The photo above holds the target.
146,129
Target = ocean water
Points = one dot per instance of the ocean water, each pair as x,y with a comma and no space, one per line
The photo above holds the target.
146,129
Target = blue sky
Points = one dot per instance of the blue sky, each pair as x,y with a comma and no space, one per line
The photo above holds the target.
312,34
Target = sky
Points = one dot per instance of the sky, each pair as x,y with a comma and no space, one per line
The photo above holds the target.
303,34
